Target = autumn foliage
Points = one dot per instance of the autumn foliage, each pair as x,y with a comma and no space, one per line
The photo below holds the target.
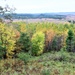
33,38
49,36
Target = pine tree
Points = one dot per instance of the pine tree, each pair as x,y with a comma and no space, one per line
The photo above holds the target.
70,41
25,42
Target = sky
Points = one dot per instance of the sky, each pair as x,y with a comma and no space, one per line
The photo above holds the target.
40,6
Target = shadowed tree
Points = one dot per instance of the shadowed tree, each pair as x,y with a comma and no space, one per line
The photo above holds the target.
70,41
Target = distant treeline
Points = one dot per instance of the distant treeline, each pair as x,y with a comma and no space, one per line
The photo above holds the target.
34,16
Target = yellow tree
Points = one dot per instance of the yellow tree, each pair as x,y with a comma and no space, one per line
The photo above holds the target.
7,40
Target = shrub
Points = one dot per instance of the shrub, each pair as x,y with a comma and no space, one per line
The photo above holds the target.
24,56
2,52
63,55
46,72
12,67
38,40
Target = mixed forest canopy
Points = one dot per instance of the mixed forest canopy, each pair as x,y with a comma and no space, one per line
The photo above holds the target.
36,38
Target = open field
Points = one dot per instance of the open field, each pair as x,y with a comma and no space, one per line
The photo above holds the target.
41,20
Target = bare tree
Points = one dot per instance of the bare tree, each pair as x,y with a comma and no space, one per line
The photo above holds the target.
6,13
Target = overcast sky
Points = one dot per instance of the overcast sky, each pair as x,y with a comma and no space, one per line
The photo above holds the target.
40,6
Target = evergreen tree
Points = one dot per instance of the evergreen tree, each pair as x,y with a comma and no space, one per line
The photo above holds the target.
25,42
70,41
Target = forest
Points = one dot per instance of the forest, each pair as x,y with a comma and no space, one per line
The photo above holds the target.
41,48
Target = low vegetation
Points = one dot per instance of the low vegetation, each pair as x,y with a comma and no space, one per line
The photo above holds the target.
37,48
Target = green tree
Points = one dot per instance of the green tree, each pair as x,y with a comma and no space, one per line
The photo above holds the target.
25,42
38,41
70,41
58,42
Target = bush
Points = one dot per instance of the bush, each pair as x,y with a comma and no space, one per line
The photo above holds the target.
38,40
46,72
2,52
12,67
24,56
64,56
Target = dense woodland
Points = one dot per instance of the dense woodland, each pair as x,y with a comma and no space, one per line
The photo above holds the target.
35,38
